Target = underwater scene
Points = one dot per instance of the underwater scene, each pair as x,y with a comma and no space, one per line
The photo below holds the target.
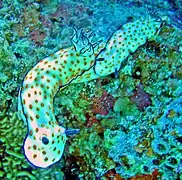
90,90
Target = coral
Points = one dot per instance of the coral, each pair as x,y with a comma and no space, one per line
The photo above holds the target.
102,105
111,174
91,120
13,165
37,36
95,159
72,104
30,16
154,176
7,58
10,139
125,107
141,98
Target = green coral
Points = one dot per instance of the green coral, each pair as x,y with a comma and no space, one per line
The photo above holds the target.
8,60
12,132
125,107
89,146
14,164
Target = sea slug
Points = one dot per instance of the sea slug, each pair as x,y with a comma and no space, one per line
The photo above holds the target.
84,61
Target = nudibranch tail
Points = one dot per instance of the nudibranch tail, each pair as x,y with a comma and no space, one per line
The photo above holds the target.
125,40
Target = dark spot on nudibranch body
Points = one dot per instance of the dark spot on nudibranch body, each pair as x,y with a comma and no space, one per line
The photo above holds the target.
46,159
37,129
31,133
45,140
44,152
31,118
34,156
30,106
37,116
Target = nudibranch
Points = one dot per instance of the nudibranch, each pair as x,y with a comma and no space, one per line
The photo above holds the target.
84,61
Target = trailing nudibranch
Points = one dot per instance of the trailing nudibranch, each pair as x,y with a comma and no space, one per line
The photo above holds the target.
84,61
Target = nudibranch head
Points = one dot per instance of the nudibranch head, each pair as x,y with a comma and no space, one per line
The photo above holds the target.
125,40
44,146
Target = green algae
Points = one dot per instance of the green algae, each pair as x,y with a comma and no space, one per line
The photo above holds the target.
25,174
110,123
124,105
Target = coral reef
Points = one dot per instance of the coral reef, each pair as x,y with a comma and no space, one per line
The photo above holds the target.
137,134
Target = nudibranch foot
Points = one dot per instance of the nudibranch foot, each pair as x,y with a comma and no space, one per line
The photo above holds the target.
71,132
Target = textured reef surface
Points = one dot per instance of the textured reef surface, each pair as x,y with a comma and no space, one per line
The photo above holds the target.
130,125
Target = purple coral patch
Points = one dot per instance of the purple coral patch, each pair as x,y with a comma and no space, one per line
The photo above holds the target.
141,98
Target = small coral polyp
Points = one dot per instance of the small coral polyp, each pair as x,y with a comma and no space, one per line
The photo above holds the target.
84,61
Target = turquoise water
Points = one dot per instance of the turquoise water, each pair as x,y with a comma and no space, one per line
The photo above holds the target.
114,89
